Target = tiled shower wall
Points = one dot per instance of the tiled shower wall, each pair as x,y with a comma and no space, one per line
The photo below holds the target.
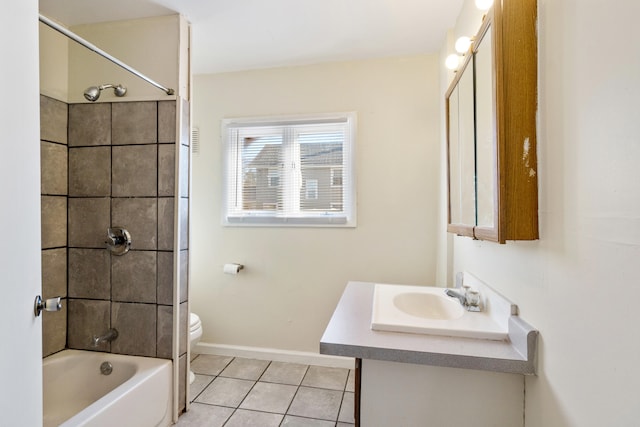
116,168
53,184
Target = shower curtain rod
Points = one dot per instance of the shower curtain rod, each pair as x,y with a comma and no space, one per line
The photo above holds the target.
94,48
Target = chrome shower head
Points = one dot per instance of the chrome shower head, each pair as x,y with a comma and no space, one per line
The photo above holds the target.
93,93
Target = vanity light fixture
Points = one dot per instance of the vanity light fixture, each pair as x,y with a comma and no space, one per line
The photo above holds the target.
463,44
453,61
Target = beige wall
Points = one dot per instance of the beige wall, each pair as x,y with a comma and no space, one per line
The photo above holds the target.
295,276
156,47
54,63
578,283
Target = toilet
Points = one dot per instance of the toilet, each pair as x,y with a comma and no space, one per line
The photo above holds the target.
195,333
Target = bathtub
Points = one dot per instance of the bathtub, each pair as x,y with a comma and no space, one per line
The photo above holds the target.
138,392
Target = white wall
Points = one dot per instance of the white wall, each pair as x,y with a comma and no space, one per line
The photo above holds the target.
295,276
578,283
20,331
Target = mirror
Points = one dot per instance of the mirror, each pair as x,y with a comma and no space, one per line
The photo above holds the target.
491,129
486,178
472,143
461,135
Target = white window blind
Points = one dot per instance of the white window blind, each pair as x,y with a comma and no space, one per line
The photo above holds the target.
290,171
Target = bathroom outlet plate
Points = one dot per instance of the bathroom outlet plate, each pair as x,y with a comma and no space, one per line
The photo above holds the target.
388,315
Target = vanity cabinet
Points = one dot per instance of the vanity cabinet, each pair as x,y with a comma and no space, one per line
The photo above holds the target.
408,394
491,129
410,379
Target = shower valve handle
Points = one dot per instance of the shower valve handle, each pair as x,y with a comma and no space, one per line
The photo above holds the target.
118,240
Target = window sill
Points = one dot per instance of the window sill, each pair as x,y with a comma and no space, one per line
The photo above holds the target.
274,221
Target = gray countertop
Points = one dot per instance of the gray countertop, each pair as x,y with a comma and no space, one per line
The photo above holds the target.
349,334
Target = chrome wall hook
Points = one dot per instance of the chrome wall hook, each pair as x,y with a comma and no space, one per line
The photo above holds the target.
51,304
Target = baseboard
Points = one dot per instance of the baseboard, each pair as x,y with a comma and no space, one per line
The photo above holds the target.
289,356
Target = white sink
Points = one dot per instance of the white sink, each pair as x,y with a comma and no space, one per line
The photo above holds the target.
428,305
427,310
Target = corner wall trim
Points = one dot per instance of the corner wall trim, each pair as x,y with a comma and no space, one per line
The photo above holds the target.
277,355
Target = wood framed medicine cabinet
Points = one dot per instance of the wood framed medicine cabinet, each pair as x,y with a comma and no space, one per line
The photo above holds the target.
491,129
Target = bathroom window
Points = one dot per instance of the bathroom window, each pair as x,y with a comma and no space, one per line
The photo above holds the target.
290,171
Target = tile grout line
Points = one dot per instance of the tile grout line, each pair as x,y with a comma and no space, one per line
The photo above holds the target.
244,398
212,379
253,386
286,412
235,409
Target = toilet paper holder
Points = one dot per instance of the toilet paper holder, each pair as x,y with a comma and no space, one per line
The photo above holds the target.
232,268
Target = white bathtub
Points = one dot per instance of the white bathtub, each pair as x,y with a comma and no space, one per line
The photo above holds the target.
137,393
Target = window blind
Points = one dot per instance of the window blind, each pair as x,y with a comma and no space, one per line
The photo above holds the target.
290,172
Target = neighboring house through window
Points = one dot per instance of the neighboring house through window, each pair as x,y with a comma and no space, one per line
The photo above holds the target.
311,190
290,171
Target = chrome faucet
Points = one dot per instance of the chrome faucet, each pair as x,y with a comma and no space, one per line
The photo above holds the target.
462,298
111,335
470,300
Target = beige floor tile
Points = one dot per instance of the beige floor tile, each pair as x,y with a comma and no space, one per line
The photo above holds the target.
210,364
322,377
316,403
201,415
199,384
225,392
346,409
244,418
291,421
245,369
284,373
269,397
351,381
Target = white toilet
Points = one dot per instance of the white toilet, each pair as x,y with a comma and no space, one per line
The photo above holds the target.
195,332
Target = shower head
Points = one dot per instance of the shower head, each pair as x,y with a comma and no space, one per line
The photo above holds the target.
93,93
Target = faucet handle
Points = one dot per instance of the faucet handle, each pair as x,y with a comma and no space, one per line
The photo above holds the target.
118,240
472,300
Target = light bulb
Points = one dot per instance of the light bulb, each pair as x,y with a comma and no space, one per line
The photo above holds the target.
484,4
452,61
463,44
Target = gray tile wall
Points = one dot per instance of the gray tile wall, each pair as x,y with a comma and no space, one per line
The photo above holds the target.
122,162
112,165
53,185
115,165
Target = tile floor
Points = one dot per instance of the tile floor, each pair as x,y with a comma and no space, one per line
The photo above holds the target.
238,392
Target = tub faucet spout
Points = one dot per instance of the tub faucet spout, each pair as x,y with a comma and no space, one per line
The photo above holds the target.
111,335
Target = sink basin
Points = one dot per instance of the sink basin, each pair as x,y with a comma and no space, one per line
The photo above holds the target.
427,310
428,305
